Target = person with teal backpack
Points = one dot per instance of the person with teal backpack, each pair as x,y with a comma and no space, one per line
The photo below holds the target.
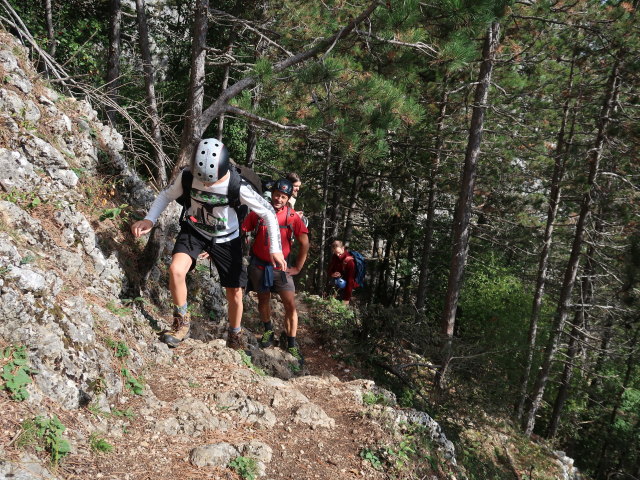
348,266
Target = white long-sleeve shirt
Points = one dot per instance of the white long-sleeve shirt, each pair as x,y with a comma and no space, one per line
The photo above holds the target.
210,213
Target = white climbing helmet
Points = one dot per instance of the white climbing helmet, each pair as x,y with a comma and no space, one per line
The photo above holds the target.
211,160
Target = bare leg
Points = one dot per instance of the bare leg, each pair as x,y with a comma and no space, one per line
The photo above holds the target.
180,265
264,306
234,305
290,312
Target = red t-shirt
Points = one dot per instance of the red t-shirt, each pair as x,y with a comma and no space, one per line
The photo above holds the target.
287,217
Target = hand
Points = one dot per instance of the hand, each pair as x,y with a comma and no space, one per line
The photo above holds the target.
277,260
336,274
141,227
293,271
204,255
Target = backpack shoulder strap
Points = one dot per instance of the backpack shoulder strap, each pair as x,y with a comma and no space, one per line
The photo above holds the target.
185,198
233,194
288,224
187,180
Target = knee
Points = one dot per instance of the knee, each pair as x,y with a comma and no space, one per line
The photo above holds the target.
177,272
289,305
234,295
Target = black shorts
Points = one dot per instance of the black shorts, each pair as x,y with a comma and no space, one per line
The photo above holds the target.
227,256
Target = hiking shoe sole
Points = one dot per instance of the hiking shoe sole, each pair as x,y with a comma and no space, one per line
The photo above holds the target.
172,341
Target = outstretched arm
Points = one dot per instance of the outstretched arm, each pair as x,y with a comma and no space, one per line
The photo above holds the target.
256,203
141,227
166,196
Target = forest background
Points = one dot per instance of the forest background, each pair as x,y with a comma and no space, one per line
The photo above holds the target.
481,154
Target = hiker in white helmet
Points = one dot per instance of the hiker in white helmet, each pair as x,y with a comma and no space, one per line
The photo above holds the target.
211,191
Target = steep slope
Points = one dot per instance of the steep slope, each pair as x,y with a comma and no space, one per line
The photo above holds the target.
89,391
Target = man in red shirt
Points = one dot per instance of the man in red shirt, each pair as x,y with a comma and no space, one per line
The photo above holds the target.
343,265
265,278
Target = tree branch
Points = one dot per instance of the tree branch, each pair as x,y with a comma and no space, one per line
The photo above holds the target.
420,46
248,26
219,106
258,119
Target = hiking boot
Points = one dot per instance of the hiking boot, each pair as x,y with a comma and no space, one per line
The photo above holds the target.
235,341
267,339
295,353
179,330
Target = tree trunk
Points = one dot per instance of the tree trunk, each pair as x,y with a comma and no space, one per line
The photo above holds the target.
382,290
113,61
353,200
603,353
252,132
421,294
576,337
192,129
334,224
561,155
408,280
50,29
149,83
399,228
461,222
225,84
321,280
572,265
631,364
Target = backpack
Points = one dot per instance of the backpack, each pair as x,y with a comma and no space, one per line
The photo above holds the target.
361,266
239,175
286,226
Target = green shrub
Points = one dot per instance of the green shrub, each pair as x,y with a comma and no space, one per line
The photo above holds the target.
99,444
45,434
246,467
15,372
371,457
133,384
